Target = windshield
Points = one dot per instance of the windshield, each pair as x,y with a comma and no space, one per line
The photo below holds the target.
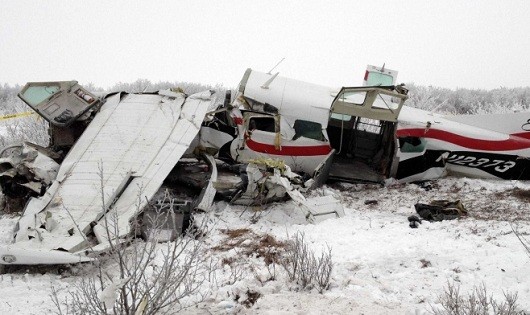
37,94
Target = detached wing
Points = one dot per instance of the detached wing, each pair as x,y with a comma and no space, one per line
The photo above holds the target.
124,155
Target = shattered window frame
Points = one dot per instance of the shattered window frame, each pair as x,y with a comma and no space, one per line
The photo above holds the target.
308,129
262,126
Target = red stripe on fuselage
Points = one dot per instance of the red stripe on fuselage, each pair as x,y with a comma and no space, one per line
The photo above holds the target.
514,142
525,135
312,150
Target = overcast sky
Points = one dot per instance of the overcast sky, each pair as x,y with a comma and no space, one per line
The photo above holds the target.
469,44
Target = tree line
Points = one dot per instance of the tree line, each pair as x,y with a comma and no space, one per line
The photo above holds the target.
436,99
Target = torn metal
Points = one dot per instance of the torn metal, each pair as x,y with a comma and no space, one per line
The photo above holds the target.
439,210
25,171
270,180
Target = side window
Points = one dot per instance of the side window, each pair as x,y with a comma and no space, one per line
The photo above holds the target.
342,117
411,144
354,97
308,129
262,123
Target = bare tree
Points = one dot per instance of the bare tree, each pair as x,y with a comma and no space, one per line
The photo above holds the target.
303,266
478,302
143,276
29,127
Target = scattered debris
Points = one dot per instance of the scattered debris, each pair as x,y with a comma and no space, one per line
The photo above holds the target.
251,297
414,220
425,185
269,180
439,210
425,263
26,170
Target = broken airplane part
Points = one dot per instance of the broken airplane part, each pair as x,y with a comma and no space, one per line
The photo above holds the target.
125,147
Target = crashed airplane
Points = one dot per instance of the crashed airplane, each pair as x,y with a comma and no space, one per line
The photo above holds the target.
110,155
366,134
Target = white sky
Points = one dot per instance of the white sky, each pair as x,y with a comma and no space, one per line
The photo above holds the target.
470,44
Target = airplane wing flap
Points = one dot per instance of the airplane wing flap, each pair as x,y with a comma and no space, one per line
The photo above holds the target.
185,130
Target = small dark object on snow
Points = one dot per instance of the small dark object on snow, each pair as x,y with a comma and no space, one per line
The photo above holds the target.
426,185
414,220
440,210
370,202
252,297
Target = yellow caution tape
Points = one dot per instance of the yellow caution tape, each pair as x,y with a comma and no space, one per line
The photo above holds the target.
16,115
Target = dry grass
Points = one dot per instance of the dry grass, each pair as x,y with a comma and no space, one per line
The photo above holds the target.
507,205
236,232
249,244
521,194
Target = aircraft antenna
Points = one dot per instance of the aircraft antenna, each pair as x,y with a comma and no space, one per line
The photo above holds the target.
276,66
438,106
269,81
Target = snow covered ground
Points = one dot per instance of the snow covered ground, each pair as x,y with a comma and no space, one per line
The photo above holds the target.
381,265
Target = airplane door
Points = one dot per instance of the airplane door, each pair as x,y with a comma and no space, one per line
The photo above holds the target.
60,103
361,129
